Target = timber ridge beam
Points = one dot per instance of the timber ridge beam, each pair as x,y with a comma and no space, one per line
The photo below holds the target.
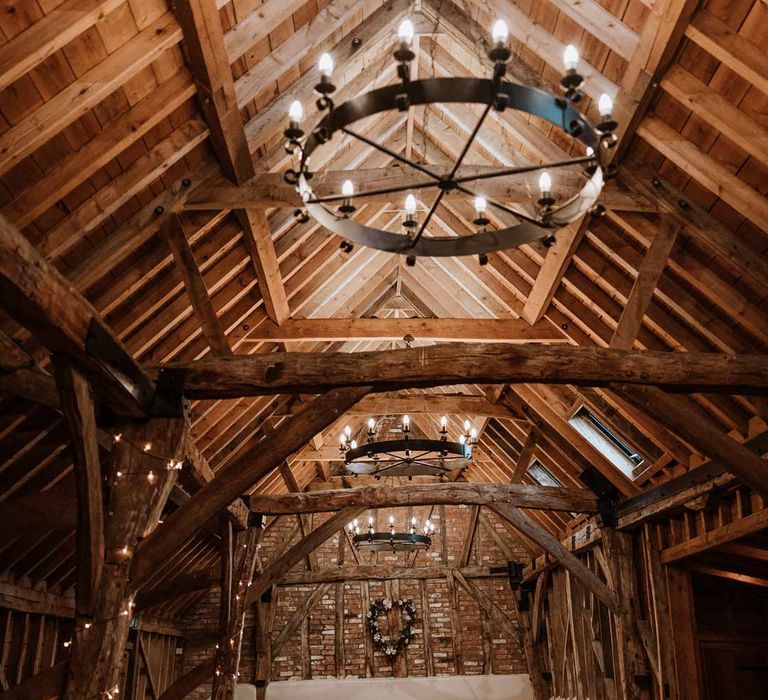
455,493
461,363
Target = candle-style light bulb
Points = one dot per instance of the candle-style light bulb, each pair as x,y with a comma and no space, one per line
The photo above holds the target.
473,434
500,32
410,205
406,421
343,439
545,182
480,205
462,439
325,65
605,105
405,32
467,426
347,189
347,430
590,151
296,111
370,521
444,422
414,521
392,520
353,444
571,57
371,424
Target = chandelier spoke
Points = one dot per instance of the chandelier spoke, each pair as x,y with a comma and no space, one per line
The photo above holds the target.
469,142
373,193
391,153
519,170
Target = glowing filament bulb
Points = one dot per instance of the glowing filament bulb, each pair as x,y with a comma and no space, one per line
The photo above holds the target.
473,434
370,521
117,437
444,422
590,151
571,57
353,444
392,520
151,477
467,426
371,424
325,65
545,182
500,32
410,205
405,32
605,105
462,439
480,205
406,422
343,439
147,446
347,430
296,111
347,189
124,550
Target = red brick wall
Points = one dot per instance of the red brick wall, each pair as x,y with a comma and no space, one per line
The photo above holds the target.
505,654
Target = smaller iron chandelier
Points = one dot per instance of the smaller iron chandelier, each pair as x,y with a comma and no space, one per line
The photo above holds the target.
407,456
391,540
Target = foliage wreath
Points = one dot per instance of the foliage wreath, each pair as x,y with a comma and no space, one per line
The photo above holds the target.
385,643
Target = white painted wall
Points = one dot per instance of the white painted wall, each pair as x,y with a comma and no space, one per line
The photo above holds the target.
509,687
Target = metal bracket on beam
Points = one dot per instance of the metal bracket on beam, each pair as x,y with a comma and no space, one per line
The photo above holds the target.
168,400
257,520
102,346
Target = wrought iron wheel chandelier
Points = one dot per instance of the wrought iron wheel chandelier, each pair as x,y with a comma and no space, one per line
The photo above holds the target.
407,456
391,540
334,211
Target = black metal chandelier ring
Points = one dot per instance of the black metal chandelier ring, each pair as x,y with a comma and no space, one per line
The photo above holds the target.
390,456
494,94
388,541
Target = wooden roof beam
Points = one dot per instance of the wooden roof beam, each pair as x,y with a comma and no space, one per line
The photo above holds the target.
387,370
470,330
37,296
647,279
705,170
173,234
454,493
252,464
204,42
740,55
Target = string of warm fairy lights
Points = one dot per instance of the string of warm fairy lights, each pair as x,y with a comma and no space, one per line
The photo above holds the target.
170,463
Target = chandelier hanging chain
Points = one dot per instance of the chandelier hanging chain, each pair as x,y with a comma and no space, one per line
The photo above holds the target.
494,93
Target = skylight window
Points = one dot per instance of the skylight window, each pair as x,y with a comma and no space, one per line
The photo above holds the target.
617,451
540,474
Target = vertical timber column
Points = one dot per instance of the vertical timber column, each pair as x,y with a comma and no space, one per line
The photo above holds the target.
265,608
631,660
230,647
521,602
683,634
134,507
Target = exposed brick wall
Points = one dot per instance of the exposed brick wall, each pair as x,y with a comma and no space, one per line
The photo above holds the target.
289,663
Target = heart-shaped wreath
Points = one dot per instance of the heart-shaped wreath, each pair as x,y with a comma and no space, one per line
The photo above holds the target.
391,647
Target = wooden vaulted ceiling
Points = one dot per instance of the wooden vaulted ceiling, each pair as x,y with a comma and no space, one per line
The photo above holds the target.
117,116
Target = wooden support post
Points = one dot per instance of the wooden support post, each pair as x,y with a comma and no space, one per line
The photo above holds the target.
629,649
532,657
265,609
683,634
136,502
469,538
242,570
658,605
226,574
79,413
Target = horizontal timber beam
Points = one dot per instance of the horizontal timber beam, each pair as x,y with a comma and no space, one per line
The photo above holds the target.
455,493
386,370
339,574
267,189
469,330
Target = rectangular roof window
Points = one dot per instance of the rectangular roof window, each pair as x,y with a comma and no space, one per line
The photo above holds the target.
616,450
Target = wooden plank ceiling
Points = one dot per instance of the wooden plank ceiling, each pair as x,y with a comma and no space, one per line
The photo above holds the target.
115,113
